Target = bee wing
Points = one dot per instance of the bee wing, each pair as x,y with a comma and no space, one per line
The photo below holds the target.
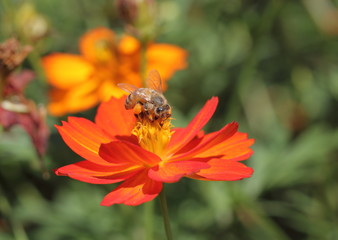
144,96
154,81
127,87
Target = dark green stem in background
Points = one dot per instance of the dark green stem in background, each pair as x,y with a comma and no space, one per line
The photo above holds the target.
6,209
248,70
43,167
165,214
2,84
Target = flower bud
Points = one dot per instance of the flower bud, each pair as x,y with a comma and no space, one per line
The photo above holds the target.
127,10
32,25
140,17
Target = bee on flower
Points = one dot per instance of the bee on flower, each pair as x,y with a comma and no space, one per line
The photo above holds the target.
148,103
143,153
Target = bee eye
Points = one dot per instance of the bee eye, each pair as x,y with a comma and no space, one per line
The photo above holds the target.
159,110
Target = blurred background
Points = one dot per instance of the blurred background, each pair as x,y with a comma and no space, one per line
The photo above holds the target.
274,66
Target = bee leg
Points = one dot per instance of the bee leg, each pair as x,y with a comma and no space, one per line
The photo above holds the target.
139,116
147,114
138,108
138,111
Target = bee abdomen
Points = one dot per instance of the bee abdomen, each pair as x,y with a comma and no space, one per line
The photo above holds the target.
129,102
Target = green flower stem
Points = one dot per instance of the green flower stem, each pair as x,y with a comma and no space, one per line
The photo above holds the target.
34,59
165,214
149,220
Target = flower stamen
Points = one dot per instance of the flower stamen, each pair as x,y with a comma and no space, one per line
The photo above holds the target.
153,135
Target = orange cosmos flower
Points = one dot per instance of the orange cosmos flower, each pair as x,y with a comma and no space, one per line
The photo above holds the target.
79,82
144,155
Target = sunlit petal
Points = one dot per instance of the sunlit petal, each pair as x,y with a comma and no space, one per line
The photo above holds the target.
114,119
66,70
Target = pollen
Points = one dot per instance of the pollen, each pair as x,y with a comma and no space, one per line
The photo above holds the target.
153,135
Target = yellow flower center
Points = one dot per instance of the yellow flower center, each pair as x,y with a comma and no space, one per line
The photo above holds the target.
153,135
105,52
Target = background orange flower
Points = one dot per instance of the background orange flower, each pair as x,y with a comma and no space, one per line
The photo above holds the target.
81,81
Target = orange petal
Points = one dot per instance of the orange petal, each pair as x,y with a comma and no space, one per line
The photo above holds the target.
84,138
134,191
192,143
211,145
98,45
118,152
129,45
109,89
114,118
223,170
77,99
236,148
89,172
66,70
180,138
170,172
166,59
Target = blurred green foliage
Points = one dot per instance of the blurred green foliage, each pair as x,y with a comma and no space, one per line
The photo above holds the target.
274,66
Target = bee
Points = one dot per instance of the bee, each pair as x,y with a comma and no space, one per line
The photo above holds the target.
148,102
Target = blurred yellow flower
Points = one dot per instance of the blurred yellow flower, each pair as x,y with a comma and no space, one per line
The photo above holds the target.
79,82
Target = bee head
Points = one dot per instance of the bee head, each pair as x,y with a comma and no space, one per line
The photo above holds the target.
159,110
158,100
163,111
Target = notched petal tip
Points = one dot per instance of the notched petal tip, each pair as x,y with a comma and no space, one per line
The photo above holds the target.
58,172
224,170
